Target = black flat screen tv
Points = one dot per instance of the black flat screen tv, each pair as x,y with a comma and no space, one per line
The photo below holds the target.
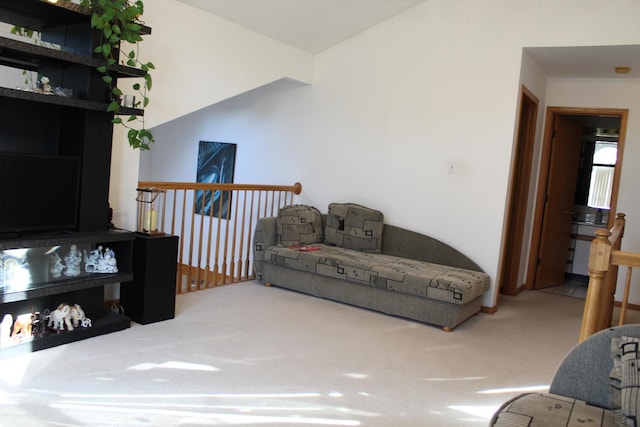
38,192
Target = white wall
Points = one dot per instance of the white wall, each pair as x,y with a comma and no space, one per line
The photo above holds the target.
200,59
389,109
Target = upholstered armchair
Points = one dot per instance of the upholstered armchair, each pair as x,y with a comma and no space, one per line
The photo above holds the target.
596,384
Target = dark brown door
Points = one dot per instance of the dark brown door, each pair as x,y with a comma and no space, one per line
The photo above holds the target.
559,200
519,194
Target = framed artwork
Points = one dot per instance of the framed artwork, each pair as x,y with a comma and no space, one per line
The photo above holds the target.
216,162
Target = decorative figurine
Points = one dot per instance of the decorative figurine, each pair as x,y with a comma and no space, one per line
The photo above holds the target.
72,262
22,327
78,318
56,265
44,85
99,261
39,328
61,317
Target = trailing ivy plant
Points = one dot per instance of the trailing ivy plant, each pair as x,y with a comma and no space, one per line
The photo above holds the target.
119,21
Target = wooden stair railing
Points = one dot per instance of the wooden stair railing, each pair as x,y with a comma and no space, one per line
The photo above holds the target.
215,244
605,257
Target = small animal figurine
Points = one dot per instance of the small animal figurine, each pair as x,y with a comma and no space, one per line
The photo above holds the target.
61,317
78,318
22,326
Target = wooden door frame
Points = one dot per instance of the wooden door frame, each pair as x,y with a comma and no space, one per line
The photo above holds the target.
520,182
545,160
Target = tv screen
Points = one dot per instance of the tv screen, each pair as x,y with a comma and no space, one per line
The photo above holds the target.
38,192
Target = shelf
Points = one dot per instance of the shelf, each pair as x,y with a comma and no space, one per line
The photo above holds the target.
64,101
109,322
37,14
62,238
62,286
15,53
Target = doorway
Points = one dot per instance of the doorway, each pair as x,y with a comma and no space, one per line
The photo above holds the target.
514,264
554,212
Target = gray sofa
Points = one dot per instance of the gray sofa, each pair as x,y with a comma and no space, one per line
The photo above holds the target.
596,384
349,255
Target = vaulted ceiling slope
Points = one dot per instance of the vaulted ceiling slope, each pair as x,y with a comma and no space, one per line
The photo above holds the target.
317,25
310,25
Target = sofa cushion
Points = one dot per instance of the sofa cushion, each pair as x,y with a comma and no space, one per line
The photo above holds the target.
417,278
550,410
353,226
298,225
629,412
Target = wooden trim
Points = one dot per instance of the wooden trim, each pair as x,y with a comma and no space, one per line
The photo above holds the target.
489,310
544,174
519,184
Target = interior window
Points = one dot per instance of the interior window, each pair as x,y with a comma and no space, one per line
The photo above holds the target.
604,160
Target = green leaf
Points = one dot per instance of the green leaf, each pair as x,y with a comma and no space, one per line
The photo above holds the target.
96,21
116,91
106,49
132,54
136,86
145,102
151,66
116,121
132,118
102,69
116,29
113,107
107,79
148,81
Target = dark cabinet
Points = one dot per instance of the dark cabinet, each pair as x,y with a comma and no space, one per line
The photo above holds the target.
151,295
39,133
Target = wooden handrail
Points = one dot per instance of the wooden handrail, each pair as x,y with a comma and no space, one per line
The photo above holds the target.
215,243
604,258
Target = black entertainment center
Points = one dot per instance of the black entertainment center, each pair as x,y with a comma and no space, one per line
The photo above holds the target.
55,161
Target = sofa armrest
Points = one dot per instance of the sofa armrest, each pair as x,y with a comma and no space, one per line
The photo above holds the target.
264,237
404,243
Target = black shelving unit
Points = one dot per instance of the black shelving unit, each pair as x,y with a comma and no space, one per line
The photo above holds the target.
77,127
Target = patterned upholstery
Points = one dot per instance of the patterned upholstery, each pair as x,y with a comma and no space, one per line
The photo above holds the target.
299,225
625,380
353,226
419,278
551,410
596,384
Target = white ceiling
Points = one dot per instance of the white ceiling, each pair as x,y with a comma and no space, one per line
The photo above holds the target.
316,25
310,25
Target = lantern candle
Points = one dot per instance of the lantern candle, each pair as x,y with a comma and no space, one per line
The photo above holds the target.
151,220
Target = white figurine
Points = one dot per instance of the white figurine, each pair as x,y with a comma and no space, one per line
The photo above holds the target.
56,265
61,317
77,316
99,261
72,260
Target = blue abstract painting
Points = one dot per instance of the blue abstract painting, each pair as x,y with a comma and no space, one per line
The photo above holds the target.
216,162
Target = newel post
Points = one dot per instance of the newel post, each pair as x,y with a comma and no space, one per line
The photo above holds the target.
599,257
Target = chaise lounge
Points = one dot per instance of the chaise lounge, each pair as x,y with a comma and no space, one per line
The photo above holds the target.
349,255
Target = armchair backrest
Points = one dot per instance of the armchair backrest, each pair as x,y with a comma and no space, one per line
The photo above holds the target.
584,372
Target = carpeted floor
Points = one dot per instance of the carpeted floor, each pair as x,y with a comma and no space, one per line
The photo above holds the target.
250,355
